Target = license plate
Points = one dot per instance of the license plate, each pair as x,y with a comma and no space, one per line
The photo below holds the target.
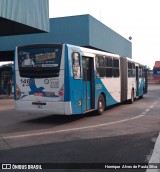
39,106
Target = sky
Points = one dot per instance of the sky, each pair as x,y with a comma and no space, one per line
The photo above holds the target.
139,19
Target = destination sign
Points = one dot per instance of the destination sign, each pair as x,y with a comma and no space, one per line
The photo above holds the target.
43,57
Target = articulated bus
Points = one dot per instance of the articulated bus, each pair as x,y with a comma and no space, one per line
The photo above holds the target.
67,79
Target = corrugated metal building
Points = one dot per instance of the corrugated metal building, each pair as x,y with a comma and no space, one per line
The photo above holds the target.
23,16
82,30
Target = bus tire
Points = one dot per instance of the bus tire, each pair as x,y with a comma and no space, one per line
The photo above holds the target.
132,97
101,104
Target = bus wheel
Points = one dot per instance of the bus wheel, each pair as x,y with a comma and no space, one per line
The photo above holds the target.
101,104
132,97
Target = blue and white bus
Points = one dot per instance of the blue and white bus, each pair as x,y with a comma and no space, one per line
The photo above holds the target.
68,79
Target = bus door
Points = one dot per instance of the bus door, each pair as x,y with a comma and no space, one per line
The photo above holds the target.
88,83
137,81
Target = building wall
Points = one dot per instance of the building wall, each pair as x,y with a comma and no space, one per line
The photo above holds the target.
102,37
72,30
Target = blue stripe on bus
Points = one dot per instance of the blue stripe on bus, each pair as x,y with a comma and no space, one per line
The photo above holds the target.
101,88
34,88
78,94
141,86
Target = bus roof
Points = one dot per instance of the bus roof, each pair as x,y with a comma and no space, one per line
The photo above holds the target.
90,50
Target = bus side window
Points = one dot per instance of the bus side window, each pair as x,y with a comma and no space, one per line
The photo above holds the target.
129,69
76,65
115,68
143,72
133,70
109,66
100,69
140,71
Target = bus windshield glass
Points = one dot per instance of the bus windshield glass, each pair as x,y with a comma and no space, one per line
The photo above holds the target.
39,61
43,57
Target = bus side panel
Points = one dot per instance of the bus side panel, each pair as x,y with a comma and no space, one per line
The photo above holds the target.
145,81
140,81
131,85
141,86
75,86
77,96
102,87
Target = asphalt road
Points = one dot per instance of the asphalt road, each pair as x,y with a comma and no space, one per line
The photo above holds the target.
123,134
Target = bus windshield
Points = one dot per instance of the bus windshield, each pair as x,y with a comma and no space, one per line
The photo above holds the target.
39,61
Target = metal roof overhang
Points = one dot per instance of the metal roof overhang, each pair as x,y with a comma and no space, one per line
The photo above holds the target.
9,27
6,56
20,17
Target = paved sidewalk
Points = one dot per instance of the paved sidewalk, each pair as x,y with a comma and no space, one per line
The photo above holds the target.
6,103
6,97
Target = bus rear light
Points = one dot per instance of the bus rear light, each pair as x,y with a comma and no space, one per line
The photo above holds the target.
61,93
18,92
